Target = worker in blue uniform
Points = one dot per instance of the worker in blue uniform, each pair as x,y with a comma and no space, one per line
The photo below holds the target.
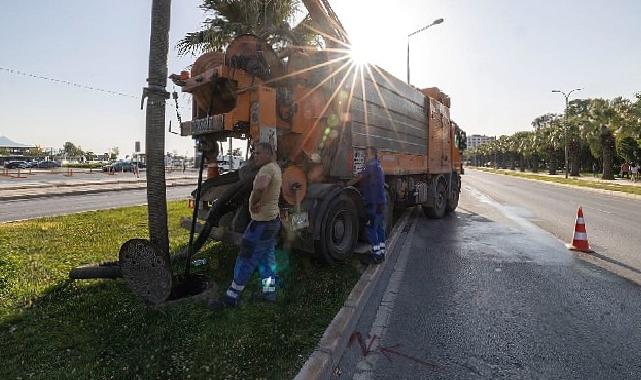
259,239
372,184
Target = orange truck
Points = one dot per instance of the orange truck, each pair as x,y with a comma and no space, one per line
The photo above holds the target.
319,110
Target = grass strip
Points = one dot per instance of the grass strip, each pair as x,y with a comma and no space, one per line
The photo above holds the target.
96,329
630,189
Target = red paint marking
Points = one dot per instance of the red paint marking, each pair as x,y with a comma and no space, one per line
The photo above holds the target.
386,351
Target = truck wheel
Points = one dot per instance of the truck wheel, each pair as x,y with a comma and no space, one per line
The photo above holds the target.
452,201
440,203
339,230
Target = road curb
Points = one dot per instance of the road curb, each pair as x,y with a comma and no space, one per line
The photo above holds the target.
330,348
83,191
612,193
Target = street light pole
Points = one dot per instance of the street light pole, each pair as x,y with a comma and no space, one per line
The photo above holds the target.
435,22
565,124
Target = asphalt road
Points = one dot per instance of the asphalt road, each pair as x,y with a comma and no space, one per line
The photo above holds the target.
612,222
59,205
487,293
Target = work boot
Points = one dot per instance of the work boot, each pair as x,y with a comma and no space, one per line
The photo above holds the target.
373,258
222,302
231,298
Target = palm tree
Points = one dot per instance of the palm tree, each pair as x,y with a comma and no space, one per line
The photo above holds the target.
492,151
536,147
607,146
544,120
604,119
483,154
628,148
268,19
549,135
576,117
553,140
503,149
522,147
155,131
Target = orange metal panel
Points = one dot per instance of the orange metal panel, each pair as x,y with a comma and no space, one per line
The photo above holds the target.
240,112
266,97
440,139
403,164
308,106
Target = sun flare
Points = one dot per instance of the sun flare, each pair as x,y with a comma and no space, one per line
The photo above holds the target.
358,54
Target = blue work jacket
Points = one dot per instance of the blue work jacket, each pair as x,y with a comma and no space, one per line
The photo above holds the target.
373,183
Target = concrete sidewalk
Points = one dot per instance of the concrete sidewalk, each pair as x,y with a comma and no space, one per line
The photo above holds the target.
87,186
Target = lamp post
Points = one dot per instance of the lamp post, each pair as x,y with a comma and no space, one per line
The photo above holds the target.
565,123
435,22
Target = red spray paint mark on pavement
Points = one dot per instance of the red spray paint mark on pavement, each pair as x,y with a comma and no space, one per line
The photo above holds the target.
366,349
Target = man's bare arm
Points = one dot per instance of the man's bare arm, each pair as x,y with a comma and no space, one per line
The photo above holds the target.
262,182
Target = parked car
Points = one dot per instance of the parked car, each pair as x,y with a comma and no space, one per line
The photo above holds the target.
119,167
32,164
48,164
15,165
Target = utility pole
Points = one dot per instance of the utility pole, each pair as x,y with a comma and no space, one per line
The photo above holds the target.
435,22
156,95
565,124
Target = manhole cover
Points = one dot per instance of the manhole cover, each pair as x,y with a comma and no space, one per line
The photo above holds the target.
147,274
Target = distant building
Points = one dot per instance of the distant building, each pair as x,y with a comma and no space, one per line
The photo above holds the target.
13,151
13,148
475,140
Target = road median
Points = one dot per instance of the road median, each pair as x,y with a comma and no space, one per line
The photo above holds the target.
10,193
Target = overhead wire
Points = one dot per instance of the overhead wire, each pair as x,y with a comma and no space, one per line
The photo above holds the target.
78,85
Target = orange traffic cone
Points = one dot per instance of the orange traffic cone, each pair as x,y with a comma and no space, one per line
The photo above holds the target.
580,239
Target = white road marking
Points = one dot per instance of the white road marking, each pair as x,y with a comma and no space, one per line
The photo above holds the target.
365,368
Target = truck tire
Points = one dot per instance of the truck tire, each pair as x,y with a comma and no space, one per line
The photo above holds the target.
452,200
437,211
339,230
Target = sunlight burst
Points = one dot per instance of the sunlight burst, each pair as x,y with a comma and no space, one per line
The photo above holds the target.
358,55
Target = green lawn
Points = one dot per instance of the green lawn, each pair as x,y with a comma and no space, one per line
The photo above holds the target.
52,328
630,189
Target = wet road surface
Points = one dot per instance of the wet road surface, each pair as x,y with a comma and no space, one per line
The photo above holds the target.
612,222
487,293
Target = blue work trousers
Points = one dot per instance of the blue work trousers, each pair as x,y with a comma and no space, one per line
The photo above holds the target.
375,225
257,249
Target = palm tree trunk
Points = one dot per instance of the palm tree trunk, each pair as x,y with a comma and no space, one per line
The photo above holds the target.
552,162
607,147
575,158
155,131
535,163
521,163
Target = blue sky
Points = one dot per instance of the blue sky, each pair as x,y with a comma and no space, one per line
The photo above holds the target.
497,59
